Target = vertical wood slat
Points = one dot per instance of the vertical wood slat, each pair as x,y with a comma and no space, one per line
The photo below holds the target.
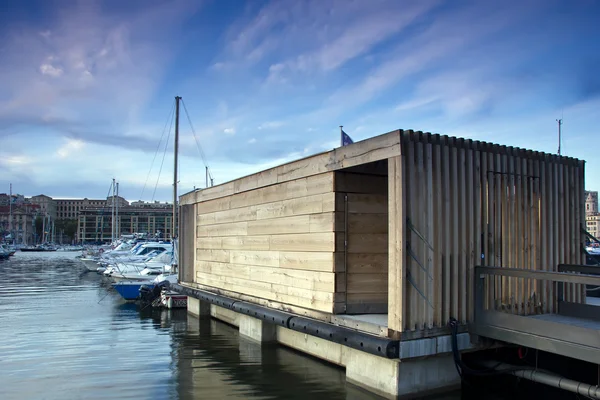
429,232
573,196
508,225
455,244
525,225
417,245
534,256
463,229
562,209
476,230
556,225
484,222
566,232
516,248
438,240
397,243
569,220
410,197
498,225
581,201
552,228
447,230
544,250
485,189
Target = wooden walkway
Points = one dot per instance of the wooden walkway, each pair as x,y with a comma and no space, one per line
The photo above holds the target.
572,329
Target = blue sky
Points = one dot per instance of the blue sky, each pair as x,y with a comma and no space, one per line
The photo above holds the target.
87,86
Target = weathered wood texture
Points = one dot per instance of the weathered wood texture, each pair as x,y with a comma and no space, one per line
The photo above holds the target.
472,203
363,234
187,231
276,243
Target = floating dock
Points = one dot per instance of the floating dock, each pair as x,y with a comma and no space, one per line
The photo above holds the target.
361,255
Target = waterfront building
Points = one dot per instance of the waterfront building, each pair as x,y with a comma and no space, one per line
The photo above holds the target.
95,224
18,224
16,199
591,202
592,223
150,204
592,216
46,203
71,208
386,255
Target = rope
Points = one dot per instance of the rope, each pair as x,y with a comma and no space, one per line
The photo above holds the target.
162,161
202,155
169,119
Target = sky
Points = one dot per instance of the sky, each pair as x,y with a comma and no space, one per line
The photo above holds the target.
87,87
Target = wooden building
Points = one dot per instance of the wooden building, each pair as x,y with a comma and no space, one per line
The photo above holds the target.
390,225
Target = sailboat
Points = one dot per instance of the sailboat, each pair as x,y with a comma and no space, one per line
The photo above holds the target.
130,290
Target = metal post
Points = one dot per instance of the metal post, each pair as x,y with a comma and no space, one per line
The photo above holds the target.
117,235
559,134
175,150
112,214
10,213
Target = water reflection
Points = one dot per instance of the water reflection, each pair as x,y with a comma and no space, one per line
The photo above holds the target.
66,336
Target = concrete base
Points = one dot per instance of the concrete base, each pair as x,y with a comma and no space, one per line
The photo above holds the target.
198,308
256,329
389,378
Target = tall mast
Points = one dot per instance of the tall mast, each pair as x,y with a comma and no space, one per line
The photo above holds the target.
175,150
112,213
10,228
117,214
559,133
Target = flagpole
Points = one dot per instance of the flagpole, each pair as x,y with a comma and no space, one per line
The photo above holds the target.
341,135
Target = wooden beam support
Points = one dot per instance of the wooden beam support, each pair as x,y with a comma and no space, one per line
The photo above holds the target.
396,256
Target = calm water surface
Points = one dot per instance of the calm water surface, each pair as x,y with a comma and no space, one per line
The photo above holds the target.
64,335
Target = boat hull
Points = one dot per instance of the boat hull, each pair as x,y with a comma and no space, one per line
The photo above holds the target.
37,250
90,264
130,290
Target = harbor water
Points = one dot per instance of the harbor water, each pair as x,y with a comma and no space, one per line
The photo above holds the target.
65,335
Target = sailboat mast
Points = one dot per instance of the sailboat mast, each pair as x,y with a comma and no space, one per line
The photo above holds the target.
10,224
175,150
117,214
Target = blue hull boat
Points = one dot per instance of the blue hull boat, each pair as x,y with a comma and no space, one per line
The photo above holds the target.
131,290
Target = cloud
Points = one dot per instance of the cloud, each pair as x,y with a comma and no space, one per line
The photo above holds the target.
229,131
109,67
252,141
271,125
71,147
48,69
14,160
319,35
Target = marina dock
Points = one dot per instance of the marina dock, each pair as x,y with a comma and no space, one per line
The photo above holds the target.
362,255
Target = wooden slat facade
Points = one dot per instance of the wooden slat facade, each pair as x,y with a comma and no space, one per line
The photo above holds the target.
391,224
492,205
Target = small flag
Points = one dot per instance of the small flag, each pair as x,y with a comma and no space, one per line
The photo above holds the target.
346,140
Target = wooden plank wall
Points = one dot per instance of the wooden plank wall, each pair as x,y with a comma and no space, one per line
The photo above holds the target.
472,203
362,205
277,243
187,235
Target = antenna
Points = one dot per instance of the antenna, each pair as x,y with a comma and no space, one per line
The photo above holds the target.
559,133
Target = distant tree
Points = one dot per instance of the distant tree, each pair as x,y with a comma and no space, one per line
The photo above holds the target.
67,226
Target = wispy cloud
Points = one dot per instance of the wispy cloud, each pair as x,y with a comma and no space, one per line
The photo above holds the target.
71,147
271,125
